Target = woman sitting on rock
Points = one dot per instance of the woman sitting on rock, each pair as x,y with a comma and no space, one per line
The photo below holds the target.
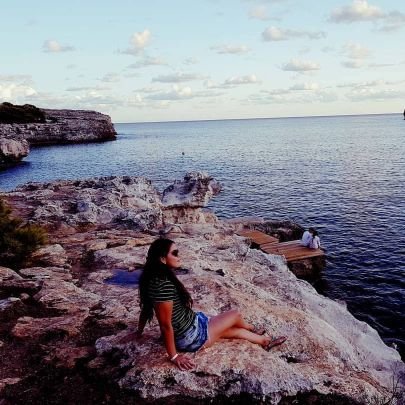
182,328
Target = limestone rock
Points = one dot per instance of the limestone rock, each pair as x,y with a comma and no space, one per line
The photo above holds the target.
50,255
43,273
129,201
8,381
28,328
195,190
12,151
10,308
328,351
68,357
64,297
7,274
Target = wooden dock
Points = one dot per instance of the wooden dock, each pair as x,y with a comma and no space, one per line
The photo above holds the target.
292,250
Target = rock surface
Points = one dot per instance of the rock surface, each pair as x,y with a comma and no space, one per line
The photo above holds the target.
81,324
12,151
195,190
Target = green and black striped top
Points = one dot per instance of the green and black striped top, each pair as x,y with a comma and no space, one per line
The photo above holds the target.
161,290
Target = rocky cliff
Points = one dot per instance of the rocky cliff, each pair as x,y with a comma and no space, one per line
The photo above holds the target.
68,324
59,127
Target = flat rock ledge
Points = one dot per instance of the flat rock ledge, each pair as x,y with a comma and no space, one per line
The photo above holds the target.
69,329
61,127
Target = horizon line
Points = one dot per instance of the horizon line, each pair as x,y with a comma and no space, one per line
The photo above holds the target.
257,118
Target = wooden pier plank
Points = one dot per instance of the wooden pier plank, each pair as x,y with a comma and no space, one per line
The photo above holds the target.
292,250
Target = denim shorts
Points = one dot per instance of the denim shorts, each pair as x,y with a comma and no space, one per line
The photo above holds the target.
195,336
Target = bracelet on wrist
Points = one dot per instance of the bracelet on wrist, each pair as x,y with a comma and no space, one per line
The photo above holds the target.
174,357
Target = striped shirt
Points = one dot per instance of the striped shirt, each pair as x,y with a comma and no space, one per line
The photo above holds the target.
162,290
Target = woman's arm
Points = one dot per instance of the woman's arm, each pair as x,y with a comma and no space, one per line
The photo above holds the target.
163,312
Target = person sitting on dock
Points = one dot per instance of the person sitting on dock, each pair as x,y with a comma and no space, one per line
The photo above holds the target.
315,242
162,293
307,237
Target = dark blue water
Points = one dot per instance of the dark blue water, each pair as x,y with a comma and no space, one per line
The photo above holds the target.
343,175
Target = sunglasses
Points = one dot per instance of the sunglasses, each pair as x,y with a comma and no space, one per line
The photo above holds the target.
175,253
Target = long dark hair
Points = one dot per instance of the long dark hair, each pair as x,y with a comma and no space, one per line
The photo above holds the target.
154,268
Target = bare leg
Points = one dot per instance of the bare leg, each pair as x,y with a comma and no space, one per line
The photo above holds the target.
219,325
240,333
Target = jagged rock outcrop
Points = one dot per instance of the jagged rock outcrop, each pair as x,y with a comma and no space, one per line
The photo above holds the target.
194,191
125,200
75,321
12,151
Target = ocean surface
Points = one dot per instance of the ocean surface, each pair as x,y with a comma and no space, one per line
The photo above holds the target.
344,175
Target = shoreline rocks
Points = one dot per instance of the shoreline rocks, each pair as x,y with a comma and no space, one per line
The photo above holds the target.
60,127
77,324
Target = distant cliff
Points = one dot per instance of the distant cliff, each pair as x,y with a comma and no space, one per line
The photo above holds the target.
49,127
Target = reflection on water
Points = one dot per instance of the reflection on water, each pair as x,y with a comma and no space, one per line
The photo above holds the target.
343,175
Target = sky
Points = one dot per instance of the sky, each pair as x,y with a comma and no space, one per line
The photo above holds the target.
160,60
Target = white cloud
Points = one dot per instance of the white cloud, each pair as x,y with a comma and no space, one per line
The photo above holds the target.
305,86
93,98
16,87
280,34
177,78
138,42
110,78
359,10
232,82
236,80
291,95
369,84
259,13
178,93
295,65
52,46
353,64
380,65
327,49
87,88
231,49
356,54
20,79
12,91
375,94
146,62
356,51
191,61
393,21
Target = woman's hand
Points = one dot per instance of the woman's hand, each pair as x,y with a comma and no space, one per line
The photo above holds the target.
183,362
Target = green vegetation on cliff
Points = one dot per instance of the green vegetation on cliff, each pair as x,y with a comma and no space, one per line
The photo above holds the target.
17,240
20,114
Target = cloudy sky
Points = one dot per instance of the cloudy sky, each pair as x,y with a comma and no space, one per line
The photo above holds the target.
209,59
